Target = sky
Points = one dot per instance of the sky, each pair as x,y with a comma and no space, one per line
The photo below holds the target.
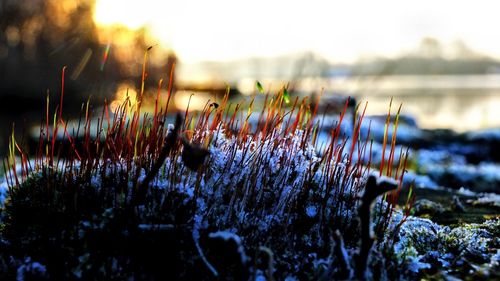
341,31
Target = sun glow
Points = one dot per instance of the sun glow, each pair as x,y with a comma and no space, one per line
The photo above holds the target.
125,92
116,12
199,30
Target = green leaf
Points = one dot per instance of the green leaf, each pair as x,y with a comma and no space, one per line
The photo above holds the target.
259,87
286,96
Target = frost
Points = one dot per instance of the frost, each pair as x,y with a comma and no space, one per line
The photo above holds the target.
489,172
95,181
260,276
384,179
466,192
421,181
495,260
3,191
490,199
189,191
415,265
442,157
423,244
31,270
311,211
486,134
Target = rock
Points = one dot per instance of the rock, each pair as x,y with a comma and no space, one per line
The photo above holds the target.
487,199
427,207
227,254
32,270
466,250
457,205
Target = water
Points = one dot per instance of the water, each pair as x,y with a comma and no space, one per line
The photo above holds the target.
461,103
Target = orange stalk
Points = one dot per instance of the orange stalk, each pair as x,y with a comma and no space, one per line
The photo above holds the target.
384,143
170,86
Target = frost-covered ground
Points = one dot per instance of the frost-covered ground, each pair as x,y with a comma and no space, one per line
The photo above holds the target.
471,250
270,197
226,195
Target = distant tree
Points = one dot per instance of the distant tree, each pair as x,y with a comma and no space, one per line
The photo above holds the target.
38,38
430,47
430,58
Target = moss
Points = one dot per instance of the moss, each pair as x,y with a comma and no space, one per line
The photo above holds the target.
459,250
106,244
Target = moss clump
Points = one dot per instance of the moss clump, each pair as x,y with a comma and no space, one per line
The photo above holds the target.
469,251
78,237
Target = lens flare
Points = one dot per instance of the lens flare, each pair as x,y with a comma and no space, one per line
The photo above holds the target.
105,56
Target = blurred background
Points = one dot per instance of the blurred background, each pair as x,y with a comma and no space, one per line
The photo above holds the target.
440,58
